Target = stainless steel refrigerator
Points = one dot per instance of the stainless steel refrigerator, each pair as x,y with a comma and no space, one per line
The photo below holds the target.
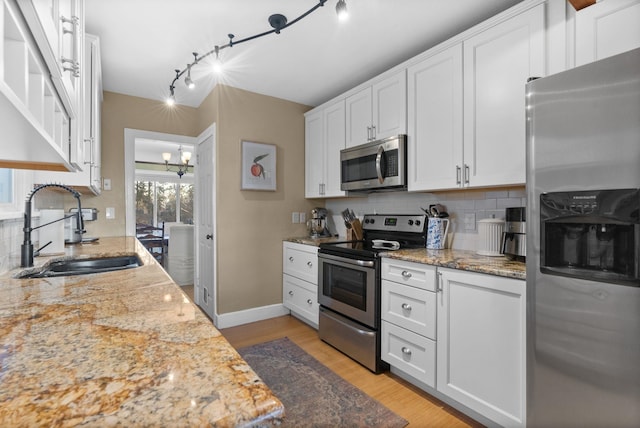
583,240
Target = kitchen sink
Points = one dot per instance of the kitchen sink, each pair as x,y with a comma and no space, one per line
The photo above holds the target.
84,266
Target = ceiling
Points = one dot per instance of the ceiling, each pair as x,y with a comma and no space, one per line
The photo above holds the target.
310,62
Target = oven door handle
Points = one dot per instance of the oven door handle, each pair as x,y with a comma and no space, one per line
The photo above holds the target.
363,263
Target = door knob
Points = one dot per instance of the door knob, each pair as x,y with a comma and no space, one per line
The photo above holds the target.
209,236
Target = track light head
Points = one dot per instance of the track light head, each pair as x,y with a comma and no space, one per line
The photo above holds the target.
341,10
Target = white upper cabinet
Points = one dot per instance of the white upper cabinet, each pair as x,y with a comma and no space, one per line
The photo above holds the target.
377,111
466,116
314,154
35,114
435,121
87,179
324,138
606,28
497,64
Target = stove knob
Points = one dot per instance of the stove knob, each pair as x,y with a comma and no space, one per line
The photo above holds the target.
373,221
366,221
410,222
417,222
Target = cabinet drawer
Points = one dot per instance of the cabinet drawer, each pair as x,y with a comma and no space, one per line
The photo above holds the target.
300,261
300,297
409,307
409,273
409,352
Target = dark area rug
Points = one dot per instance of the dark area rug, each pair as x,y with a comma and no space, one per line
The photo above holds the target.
313,395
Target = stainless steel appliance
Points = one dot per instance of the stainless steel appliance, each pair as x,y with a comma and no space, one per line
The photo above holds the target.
375,166
514,237
583,289
349,284
317,224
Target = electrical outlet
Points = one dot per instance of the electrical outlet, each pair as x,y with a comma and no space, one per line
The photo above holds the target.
111,213
303,217
106,184
295,217
469,221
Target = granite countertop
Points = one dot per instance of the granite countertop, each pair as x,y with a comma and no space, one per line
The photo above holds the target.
454,259
306,240
121,348
463,260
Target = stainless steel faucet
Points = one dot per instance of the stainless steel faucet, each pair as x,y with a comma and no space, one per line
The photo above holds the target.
27,253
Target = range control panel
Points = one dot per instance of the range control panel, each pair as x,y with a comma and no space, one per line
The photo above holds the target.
395,222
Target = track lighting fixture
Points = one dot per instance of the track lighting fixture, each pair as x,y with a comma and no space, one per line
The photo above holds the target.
278,22
183,157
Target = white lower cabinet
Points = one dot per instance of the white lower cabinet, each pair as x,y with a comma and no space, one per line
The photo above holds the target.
301,297
481,344
461,335
408,312
300,281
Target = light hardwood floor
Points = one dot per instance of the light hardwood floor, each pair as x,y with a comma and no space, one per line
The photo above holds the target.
413,404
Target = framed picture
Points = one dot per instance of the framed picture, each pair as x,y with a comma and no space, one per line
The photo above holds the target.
258,166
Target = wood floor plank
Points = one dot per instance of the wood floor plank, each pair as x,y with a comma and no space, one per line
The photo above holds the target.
408,401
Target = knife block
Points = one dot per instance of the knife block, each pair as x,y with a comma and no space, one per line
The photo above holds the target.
355,232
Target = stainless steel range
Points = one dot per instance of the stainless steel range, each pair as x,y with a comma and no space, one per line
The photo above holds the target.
349,284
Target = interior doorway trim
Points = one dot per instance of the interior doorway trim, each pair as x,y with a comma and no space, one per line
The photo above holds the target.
130,136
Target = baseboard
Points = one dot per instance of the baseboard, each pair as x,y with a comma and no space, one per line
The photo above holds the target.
233,319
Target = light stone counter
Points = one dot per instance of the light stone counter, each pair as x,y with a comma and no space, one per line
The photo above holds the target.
463,260
120,348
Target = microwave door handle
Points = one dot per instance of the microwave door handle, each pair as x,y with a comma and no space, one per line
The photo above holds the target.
379,164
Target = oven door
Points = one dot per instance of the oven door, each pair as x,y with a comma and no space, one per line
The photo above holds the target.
348,286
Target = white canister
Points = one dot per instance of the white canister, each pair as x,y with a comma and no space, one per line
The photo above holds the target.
53,232
490,237
437,229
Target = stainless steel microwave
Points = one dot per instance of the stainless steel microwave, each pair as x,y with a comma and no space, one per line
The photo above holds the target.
375,166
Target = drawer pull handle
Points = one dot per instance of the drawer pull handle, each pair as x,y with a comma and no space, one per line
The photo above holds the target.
290,292
406,306
309,301
291,259
406,274
406,351
309,264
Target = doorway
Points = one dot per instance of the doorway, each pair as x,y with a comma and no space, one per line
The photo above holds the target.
201,191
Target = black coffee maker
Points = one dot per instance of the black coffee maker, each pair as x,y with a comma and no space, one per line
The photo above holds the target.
514,238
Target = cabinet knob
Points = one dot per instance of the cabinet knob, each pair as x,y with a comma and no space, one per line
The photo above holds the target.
406,306
291,259
309,264
290,292
406,274
209,236
309,301
406,351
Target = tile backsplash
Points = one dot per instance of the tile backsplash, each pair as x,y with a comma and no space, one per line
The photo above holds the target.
465,208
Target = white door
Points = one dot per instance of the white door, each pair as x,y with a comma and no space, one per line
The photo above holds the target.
435,121
497,64
389,106
204,287
358,118
334,137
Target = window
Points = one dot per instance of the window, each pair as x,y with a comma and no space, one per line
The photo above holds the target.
6,186
15,185
158,202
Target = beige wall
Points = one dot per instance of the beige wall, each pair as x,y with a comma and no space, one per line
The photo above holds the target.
120,112
252,224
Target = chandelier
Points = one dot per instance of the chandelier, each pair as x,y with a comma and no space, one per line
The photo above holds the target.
183,166
278,23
